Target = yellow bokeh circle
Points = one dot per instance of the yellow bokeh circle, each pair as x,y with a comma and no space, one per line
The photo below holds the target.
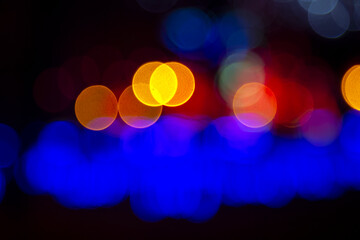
170,84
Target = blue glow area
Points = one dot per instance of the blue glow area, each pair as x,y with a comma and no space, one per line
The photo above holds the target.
241,143
77,177
9,146
187,28
350,135
349,164
185,169
232,31
214,49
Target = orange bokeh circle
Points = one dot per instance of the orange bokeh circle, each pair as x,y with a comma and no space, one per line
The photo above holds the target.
96,107
135,113
254,105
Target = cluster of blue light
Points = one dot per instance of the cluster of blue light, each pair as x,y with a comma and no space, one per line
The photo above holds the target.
184,168
191,33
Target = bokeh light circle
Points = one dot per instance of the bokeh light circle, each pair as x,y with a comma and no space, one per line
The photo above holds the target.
350,87
185,86
135,113
237,69
254,105
163,84
331,25
319,7
141,83
96,107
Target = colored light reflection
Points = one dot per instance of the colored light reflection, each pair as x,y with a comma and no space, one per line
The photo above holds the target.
236,70
67,165
322,128
170,84
135,113
163,84
254,105
96,107
319,7
331,25
350,87
141,84
179,169
187,28
185,85
295,104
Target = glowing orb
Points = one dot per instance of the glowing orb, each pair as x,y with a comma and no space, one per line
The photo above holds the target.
96,107
254,105
185,86
154,84
135,113
141,83
350,87
163,84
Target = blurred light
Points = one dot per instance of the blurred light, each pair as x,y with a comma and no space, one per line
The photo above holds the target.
240,30
185,85
322,128
236,70
243,144
187,28
330,25
200,105
319,7
313,171
232,31
96,107
135,113
350,135
156,6
163,84
74,168
254,105
350,87
141,84
295,104
9,145
354,11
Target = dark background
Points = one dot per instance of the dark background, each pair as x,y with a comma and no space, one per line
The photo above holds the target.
38,35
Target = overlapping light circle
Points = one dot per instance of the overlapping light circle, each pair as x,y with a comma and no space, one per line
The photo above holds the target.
154,85
170,84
